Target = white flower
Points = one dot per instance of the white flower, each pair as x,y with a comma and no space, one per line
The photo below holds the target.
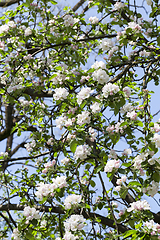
110,89
127,91
74,223
127,108
112,165
95,107
151,225
97,65
134,26
69,20
100,76
118,6
60,122
60,94
152,189
28,31
11,24
83,118
139,206
31,213
127,152
94,20
82,152
69,236
4,28
16,234
156,139
65,160
60,181
106,44
83,94
72,200
132,115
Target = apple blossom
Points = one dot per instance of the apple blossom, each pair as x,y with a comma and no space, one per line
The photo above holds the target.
139,206
60,93
82,152
94,20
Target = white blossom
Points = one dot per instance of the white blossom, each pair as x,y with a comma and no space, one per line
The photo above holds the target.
60,94
74,223
69,20
139,206
83,94
156,139
100,76
94,20
118,5
110,89
30,213
99,64
112,165
72,200
106,44
28,31
16,234
65,161
95,107
83,118
82,152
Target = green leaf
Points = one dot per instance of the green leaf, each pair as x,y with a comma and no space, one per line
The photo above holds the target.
92,183
129,233
73,145
140,124
134,183
123,192
158,40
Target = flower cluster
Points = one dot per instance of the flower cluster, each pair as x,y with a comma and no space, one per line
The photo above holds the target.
152,227
118,6
29,146
110,89
60,94
44,190
16,234
83,118
127,108
99,64
74,223
112,165
69,20
49,166
117,128
95,107
93,134
65,161
83,94
132,115
139,206
94,20
152,189
121,180
72,201
50,141
82,152
4,154
100,76
156,139
30,213
106,44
